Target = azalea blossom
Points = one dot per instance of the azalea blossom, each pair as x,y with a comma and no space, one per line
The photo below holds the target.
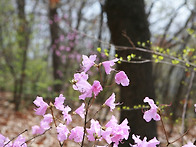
19,142
144,143
82,85
88,62
44,125
63,132
118,132
121,78
195,107
80,110
46,121
96,87
95,131
152,113
59,102
107,65
189,144
37,130
80,76
110,102
66,115
4,140
42,106
106,134
77,134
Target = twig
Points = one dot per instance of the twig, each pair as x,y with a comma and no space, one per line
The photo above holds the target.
51,105
168,143
186,101
95,113
15,137
36,136
180,136
129,39
85,122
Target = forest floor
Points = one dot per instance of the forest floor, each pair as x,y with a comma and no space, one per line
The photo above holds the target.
13,123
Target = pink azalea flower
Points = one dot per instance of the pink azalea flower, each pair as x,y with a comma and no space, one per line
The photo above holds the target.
59,102
66,115
44,125
63,132
4,140
121,78
119,132
42,106
95,130
189,144
112,123
107,135
195,107
143,143
77,134
46,121
107,65
19,142
152,113
110,102
96,87
37,130
82,85
125,129
80,110
78,77
88,62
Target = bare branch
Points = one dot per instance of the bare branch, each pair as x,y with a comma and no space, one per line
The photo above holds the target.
170,22
186,102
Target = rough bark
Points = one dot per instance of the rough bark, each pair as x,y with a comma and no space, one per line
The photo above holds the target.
23,42
129,16
54,31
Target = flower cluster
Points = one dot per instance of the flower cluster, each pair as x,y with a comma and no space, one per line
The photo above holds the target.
19,142
144,143
111,132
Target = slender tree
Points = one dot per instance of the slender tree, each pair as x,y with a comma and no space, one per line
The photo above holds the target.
23,43
128,16
54,31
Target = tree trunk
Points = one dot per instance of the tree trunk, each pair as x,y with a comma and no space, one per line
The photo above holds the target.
23,33
129,16
54,31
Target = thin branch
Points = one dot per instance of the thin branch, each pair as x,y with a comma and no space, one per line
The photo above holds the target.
85,121
180,136
131,48
129,39
53,117
186,101
150,9
36,136
165,132
15,137
100,24
183,28
170,22
80,13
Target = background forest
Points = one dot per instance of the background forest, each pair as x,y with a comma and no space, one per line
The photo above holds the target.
42,43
